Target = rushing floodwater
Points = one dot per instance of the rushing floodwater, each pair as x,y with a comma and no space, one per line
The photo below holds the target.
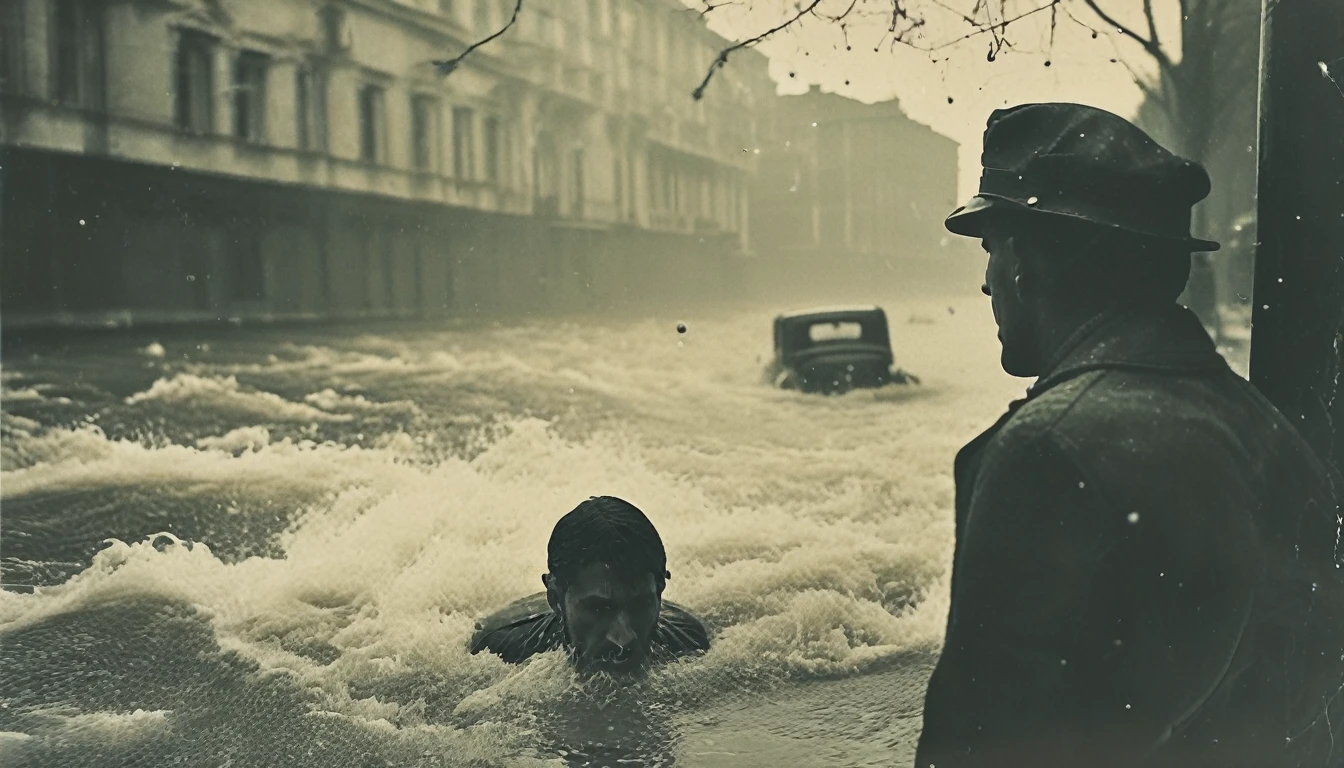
267,548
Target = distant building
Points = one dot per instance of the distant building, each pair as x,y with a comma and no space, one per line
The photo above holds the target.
234,158
850,194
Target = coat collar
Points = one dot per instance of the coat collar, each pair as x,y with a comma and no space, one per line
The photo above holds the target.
1166,339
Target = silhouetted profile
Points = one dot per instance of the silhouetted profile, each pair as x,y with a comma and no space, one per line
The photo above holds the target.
1146,568
603,599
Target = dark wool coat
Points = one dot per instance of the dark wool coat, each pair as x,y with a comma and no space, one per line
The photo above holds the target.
1145,571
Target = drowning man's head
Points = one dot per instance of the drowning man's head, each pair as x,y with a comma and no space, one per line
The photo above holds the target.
603,602
607,569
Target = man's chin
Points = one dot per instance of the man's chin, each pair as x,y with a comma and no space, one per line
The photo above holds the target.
616,670
1014,367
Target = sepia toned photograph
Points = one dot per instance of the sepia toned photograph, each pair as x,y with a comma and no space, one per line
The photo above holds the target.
672,383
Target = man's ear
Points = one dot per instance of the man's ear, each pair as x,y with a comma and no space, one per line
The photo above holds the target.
1022,281
553,597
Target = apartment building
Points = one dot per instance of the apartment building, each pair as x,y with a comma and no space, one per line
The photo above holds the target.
851,195
206,159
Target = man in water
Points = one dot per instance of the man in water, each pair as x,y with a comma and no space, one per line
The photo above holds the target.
1146,566
603,601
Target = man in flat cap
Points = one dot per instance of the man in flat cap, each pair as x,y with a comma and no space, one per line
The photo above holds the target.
1147,555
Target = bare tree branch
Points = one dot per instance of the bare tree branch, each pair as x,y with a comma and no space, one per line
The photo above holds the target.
446,66
712,6
722,58
968,19
993,29
840,16
1152,22
1151,46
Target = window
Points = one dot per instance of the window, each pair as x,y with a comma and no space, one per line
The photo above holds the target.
195,82
371,115
464,144
78,53
651,186
249,96
247,276
492,141
835,332
11,46
423,133
310,105
334,30
578,183
630,185
303,108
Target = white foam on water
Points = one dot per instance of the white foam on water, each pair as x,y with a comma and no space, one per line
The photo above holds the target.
30,444
99,725
331,400
69,728
22,394
240,439
224,395
813,535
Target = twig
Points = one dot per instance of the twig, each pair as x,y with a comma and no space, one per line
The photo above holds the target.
712,6
1150,46
1152,21
841,16
722,58
993,29
447,66
968,19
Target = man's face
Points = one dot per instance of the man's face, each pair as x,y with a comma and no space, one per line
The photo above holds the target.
1008,297
610,616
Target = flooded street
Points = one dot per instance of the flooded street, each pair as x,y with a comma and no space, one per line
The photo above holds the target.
268,547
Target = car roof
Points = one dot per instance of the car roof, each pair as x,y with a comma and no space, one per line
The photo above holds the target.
830,313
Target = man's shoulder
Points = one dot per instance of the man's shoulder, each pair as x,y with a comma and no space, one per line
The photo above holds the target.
680,633
1135,405
518,630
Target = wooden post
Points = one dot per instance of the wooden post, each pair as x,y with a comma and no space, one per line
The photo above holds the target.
1297,342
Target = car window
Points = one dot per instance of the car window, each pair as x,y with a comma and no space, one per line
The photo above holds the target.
835,332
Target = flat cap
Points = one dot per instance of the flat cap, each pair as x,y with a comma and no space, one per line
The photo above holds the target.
1087,164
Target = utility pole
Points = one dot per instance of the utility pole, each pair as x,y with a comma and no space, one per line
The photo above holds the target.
1297,341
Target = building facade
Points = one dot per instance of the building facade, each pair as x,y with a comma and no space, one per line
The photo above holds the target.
289,158
851,195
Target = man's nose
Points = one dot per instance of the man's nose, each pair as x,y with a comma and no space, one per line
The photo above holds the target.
984,288
620,633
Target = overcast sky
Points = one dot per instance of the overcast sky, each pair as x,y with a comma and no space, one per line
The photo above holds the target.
1080,70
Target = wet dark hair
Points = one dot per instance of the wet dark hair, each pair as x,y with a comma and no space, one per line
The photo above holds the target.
1088,262
609,530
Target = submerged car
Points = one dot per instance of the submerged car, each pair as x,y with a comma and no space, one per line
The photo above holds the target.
831,351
